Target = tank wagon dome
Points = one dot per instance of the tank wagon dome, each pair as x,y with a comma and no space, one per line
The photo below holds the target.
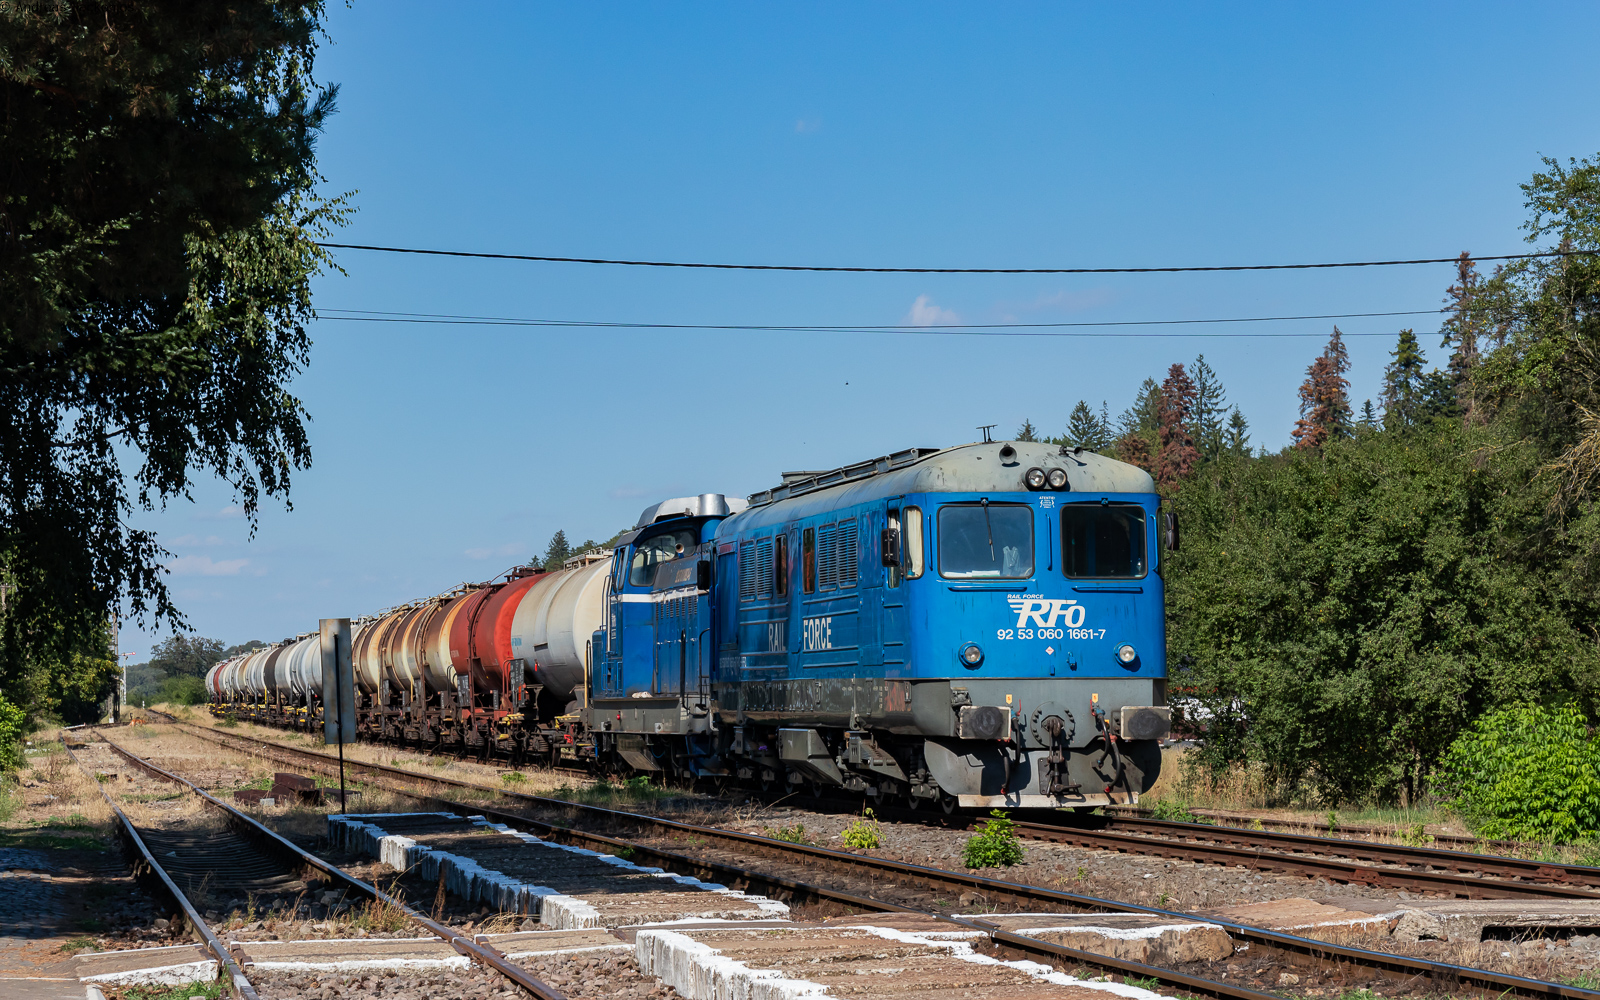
988,466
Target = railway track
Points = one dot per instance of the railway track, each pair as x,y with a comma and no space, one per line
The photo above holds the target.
1292,949
249,852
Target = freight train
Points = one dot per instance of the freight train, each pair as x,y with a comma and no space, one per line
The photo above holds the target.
969,627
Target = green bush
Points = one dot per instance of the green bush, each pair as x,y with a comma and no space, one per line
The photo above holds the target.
795,834
864,834
182,691
1175,810
12,719
994,845
1527,772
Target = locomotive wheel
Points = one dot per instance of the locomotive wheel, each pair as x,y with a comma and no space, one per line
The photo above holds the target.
913,801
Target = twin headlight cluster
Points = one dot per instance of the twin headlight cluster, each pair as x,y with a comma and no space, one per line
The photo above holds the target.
971,654
1037,478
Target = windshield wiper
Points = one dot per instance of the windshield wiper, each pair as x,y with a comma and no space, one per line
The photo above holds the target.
984,502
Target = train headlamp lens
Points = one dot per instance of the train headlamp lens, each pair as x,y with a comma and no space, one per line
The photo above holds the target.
1034,478
1058,479
1126,654
971,654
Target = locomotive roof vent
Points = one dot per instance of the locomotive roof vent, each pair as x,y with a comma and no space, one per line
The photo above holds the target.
797,483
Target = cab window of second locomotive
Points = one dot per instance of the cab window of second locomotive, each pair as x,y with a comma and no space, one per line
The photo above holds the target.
652,552
985,541
1103,542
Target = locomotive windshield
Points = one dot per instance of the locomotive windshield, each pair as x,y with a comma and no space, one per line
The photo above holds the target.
1103,542
985,541
652,552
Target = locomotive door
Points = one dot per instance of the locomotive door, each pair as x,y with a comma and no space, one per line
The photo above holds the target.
892,593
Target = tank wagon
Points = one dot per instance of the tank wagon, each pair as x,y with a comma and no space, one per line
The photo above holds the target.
976,626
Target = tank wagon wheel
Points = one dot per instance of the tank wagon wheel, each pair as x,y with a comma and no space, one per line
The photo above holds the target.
817,790
948,803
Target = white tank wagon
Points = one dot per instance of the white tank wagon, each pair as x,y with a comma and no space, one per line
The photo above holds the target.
551,626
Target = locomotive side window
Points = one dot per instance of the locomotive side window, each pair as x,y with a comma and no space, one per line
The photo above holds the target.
985,541
780,566
1104,542
652,552
911,548
892,538
808,560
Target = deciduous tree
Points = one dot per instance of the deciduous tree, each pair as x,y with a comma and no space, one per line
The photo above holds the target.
158,221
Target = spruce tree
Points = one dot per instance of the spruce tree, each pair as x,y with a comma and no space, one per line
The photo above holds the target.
1460,332
557,552
1210,407
1403,383
1027,432
1238,438
1138,428
1086,429
1178,453
1324,397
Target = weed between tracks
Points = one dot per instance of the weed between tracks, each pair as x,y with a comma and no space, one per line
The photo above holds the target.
211,991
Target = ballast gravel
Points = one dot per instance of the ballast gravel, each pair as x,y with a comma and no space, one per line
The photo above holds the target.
579,977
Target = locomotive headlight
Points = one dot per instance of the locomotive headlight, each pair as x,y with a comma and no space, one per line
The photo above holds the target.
1034,478
971,654
1058,479
1126,654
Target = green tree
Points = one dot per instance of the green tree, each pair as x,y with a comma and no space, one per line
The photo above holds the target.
1403,383
1210,411
1237,440
557,551
1461,331
1027,432
1345,613
185,655
1086,429
158,220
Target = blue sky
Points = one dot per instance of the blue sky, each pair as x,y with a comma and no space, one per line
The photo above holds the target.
885,134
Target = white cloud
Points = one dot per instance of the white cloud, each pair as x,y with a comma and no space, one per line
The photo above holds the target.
925,313
204,566
194,541
500,551
229,513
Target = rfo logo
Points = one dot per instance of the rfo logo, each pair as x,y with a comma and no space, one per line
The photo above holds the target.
1047,613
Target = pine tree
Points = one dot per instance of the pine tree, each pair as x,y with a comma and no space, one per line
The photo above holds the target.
1403,383
1178,454
1460,330
1027,432
1238,442
1369,418
1324,397
558,551
1086,429
1210,407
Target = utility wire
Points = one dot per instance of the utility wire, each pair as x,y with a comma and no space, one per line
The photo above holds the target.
945,270
950,329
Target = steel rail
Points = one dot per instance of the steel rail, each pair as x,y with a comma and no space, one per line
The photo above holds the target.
1249,854
1343,831
1362,850
1446,976
240,985
463,945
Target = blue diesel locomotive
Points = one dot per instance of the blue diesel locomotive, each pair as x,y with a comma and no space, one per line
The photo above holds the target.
976,626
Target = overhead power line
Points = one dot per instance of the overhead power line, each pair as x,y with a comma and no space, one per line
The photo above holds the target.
945,270
1074,329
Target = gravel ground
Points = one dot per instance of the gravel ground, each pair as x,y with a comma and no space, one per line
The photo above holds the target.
580,977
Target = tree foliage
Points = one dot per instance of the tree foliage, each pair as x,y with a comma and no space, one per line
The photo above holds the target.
185,655
1504,790
1177,409
157,240
1086,428
1324,397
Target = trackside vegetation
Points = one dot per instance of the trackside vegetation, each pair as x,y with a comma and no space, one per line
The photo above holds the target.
1402,606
